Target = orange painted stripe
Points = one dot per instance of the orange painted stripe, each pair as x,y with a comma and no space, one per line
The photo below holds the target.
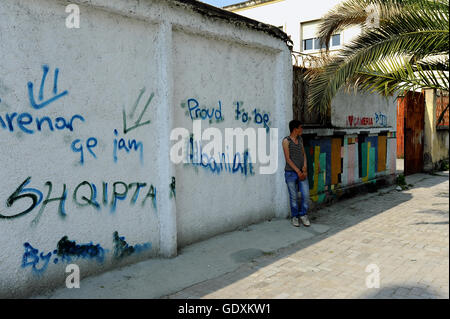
335,160
382,149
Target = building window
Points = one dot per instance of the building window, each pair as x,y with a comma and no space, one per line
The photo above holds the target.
318,45
335,40
308,44
314,43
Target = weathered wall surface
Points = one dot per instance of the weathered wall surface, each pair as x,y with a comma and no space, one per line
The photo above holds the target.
248,86
363,110
85,121
436,147
443,145
359,148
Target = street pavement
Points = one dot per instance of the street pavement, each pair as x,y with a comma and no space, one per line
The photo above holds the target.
398,239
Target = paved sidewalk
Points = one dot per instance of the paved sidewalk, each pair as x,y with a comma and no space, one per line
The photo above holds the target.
405,234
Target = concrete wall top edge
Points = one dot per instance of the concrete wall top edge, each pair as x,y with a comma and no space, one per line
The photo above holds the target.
205,20
226,38
212,11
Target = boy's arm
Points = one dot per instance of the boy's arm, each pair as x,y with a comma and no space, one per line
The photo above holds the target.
305,168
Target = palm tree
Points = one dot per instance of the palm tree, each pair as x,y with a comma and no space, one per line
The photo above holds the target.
406,47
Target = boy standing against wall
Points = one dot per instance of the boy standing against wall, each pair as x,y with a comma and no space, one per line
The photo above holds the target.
295,173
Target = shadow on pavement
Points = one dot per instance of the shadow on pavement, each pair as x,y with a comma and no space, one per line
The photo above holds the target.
210,265
341,215
401,292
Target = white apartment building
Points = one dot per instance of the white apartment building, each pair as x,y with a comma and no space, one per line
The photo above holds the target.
298,18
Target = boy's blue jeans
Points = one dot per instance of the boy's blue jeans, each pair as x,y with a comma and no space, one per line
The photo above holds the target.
294,184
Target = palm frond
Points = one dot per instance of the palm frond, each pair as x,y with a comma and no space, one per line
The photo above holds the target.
394,75
356,12
417,32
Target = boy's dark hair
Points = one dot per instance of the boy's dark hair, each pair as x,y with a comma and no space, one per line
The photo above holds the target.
294,124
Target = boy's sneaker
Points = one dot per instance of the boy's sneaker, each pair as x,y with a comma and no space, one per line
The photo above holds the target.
305,220
295,222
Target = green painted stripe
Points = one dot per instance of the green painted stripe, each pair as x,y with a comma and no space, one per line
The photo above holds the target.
364,159
372,163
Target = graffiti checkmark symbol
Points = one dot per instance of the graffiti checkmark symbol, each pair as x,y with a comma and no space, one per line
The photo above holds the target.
56,96
138,122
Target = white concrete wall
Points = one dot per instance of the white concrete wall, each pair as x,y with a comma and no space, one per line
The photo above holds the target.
363,110
209,201
163,52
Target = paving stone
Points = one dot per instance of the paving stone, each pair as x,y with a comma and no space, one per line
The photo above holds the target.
409,263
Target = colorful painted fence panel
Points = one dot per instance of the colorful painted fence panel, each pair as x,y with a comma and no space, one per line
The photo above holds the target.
338,161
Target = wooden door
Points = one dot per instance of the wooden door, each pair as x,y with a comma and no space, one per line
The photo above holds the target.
414,120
